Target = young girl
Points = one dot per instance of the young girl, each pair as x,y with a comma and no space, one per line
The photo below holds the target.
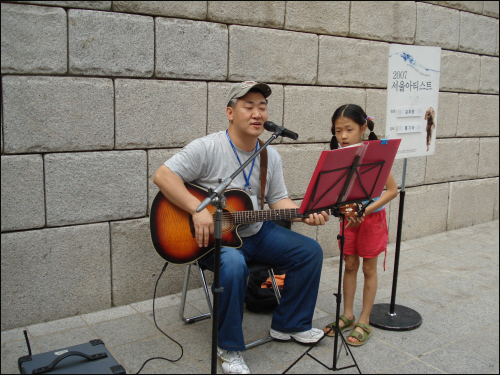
365,237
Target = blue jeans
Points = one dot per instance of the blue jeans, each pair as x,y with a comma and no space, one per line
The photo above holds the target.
300,256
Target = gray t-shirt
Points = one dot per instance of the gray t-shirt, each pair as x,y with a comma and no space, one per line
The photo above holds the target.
206,160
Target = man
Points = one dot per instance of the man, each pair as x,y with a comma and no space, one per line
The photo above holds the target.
214,157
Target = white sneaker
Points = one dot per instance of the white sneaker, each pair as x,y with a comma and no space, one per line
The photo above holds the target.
306,337
232,362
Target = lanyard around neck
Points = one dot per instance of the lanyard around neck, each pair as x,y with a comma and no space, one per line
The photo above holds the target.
247,179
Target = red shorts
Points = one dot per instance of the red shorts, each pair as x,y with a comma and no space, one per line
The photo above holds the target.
368,239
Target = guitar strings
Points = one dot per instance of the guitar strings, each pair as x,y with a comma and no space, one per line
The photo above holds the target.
287,213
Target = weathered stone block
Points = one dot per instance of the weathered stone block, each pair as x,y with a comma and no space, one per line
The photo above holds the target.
478,115
376,107
34,39
488,82
54,273
23,204
352,62
156,158
469,6
471,202
327,238
433,2
252,13
217,118
101,5
425,212
455,159
297,63
437,26
490,8
110,44
478,33
488,157
391,21
89,187
57,114
496,51
447,118
320,17
495,210
191,49
308,110
152,113
136,264
460,72
299,162
415,171
179,9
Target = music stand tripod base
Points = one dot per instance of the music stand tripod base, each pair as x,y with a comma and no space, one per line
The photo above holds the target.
403,319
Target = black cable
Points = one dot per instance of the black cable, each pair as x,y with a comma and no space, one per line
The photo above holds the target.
154,318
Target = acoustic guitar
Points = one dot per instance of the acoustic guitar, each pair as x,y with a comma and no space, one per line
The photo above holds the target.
172,229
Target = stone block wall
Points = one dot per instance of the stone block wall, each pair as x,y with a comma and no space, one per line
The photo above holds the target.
96,95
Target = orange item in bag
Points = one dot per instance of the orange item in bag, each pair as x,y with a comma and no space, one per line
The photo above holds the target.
280,280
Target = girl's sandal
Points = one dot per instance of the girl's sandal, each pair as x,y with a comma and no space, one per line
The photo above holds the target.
348,324
362,337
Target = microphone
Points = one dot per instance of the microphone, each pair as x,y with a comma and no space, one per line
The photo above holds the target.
272,127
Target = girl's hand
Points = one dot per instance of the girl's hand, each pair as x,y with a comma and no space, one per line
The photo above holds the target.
354,221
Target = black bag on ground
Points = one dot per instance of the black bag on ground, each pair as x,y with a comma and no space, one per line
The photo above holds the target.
260,299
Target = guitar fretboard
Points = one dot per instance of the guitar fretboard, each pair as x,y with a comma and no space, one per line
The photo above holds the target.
246,217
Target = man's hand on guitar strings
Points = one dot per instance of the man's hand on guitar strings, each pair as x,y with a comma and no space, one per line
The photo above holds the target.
203,223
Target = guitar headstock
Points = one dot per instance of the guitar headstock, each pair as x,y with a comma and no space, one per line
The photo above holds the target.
350,210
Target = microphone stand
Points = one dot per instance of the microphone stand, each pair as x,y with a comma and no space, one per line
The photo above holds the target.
217,199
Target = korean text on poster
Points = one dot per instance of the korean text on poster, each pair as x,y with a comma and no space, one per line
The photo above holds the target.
412,98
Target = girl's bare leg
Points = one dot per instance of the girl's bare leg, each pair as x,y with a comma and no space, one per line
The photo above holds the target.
349,287
369,292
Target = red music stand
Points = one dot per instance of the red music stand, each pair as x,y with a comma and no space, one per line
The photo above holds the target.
366,166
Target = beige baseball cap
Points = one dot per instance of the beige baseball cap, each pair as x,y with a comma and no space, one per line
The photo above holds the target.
238,90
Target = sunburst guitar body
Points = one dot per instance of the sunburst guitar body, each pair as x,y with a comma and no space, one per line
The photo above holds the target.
172,230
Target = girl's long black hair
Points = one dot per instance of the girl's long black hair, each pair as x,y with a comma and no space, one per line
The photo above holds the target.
356,114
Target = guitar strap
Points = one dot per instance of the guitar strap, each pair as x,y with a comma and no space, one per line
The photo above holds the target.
263,174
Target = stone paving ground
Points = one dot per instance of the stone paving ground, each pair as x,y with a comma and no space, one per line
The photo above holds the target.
450,278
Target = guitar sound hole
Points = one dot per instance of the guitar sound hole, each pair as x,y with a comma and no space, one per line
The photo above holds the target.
227,221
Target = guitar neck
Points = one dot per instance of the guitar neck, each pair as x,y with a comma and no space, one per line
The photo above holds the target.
247,217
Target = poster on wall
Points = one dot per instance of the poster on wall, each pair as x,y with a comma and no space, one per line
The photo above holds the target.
412,98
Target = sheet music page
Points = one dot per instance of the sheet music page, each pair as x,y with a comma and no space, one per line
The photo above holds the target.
328,178
372,177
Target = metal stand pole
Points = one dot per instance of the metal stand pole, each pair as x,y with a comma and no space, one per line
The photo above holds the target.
217,288
391,316
338,299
